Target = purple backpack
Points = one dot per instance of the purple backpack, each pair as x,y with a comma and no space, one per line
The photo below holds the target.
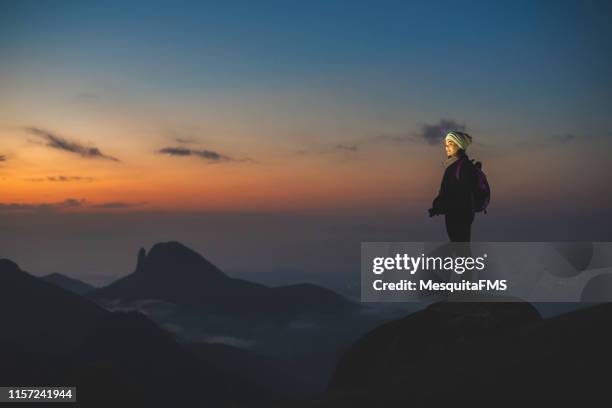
482,192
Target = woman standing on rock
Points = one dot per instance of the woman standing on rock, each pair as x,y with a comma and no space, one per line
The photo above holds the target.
456,197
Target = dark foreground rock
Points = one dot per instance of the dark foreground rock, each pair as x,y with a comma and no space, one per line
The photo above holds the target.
479,354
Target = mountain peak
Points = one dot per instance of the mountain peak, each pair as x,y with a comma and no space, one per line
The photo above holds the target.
173,256
172,251
8,266
173,247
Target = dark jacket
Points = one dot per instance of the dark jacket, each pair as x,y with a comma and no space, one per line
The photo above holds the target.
456,196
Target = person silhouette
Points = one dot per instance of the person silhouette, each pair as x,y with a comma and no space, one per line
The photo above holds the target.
456,196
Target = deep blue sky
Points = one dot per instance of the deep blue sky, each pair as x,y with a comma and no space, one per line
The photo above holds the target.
487,50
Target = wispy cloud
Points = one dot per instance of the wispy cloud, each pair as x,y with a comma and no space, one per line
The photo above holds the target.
60,143
208,155
117,205
184,140
187,134
433,134
68,203
62,179
394,138
330,149
345,147
549,141
176,151
565,138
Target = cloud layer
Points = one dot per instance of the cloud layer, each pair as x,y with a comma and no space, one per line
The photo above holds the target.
57,142
433,134
68,203
208,155
117,205
62,179
182,140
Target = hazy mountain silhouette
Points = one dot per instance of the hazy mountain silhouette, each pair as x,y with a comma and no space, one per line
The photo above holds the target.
32,307
70,284
53,337
479,354
292,326
174,273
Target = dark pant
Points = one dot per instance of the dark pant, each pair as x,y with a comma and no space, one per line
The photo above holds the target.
459,229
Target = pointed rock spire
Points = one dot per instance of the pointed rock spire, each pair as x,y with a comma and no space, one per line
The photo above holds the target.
141,257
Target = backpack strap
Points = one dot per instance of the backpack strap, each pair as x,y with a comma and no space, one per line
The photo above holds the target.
458,169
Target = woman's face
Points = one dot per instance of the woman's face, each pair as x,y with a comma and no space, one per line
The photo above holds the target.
451,148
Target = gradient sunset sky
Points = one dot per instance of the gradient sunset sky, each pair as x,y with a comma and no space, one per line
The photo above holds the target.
301,114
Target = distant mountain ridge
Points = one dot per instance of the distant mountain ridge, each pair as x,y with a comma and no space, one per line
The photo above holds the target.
54,337
174,273
68,283
67,315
